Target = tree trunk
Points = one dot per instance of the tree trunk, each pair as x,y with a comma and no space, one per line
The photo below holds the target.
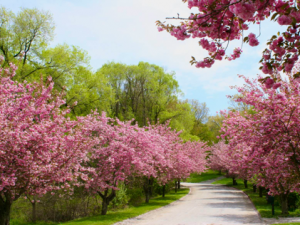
33,211
104,207
220,172
246,183
284,204
147,189
163,191
234,181
5,206
151,181
178,184
260,189
106,199
254,188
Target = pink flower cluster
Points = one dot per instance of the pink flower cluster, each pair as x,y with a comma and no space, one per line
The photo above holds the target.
275,46
284,20
270,83
253,40
226,20
179,32
243,10
210,47
236,54
205,63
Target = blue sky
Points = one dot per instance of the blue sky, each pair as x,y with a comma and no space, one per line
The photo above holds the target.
125,31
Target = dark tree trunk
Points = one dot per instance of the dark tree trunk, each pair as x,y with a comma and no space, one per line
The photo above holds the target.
220,172
104,207
234,181
176,186
163,191
284,204
147,195
106,199
246,183
151,181
5,206
147,189
178,183
260,189
33,211
254,188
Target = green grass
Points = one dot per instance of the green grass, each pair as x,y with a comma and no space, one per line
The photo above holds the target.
119,215
260,203
196,178
286,224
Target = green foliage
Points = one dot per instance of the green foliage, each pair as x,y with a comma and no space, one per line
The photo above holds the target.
23,37
286,224
208,175
121,198
181,118
90,91
56,207
140,92
204,133
119,215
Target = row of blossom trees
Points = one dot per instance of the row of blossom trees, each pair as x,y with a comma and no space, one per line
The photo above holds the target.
42,150
264,144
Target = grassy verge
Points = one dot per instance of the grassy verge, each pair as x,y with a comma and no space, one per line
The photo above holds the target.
260,203
196,178
286,224
119,215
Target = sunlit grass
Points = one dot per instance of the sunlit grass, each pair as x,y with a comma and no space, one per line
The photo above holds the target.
208,175
286,224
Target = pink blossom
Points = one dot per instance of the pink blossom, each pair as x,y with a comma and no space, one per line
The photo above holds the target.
284,20
252,40
160,29
276,85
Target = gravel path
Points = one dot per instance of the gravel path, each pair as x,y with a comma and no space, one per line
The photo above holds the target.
206,204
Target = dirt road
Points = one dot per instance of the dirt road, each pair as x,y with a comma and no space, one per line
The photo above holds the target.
206,204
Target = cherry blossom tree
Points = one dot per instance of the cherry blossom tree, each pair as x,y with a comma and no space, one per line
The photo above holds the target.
40,150
271,132
185,157
190,158
219,22
220,159
123,151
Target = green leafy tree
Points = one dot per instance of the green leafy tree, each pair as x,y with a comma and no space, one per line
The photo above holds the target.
181,117
139,91
23,37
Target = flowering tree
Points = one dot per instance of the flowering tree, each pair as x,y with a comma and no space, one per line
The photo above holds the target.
190,158
217,158
221,21
40,150
221,159
123,151
272,133
185,157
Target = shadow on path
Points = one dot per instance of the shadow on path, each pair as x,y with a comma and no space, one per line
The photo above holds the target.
206,204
